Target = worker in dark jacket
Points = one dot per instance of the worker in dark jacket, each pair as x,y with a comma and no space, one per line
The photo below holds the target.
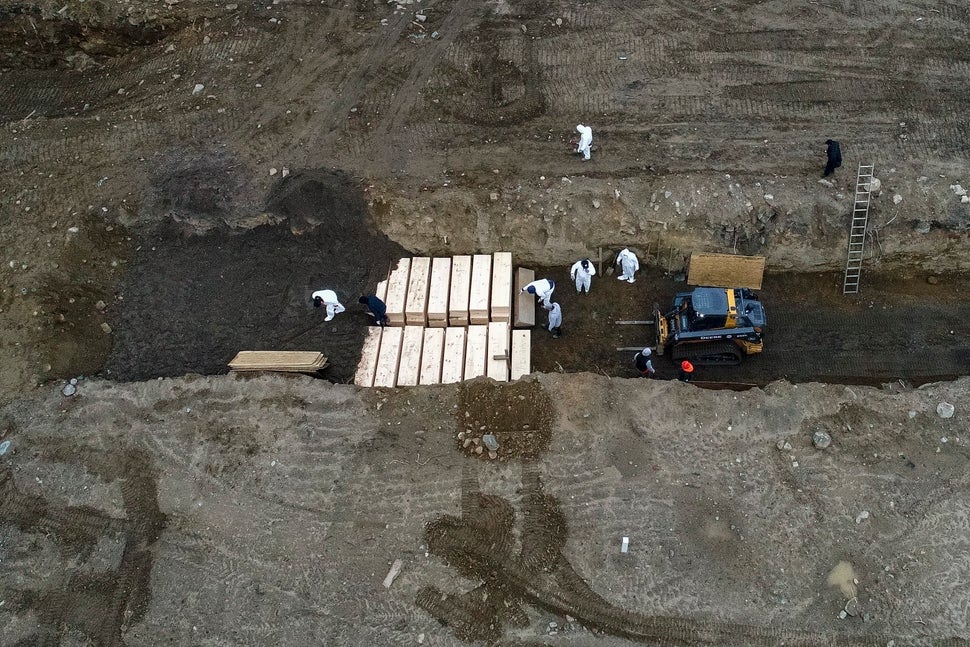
377,309
834,153
644,364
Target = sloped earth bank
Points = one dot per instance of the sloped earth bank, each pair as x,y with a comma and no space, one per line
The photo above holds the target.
225,510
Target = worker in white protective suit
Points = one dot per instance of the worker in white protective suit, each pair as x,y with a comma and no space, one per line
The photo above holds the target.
542,289
328,298
585,140
629,264
582,272
555,320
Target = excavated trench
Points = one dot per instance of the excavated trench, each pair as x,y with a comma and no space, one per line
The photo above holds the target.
226,292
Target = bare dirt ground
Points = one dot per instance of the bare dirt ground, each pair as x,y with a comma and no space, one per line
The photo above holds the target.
177,177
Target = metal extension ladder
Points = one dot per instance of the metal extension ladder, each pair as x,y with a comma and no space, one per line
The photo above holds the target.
857,233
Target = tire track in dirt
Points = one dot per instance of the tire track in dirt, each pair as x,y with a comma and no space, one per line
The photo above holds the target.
479,545
99,605
322,128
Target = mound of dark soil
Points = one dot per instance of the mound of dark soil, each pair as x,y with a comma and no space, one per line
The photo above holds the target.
189,303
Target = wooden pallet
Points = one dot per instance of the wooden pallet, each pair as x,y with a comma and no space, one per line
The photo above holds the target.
283,361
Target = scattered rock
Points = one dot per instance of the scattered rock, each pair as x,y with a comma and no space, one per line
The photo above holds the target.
106,328
69,390
100,305
875,185
493,196
490,441
467,443
4,446
435,35
596,204
862,516
843,615
198,88
492,455
826,183
933,279
420,17
922,227
821,440
959,190
964,199
852,607
479,449
897,199
783,445
945,410
232,6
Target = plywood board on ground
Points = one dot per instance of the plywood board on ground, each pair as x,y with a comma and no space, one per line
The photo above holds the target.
367,366
397,292
521,354
409,368
431,355
481,289
388,357
476,346
453,359
501,306
438,292
498,356
525,303
461,281
293,361
726,270
416,305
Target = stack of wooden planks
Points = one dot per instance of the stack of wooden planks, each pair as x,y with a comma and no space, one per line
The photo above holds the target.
450,320
284,361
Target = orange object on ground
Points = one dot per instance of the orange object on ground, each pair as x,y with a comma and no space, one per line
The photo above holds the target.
686,367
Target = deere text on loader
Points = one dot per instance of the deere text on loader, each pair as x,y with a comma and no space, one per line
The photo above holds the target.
719,321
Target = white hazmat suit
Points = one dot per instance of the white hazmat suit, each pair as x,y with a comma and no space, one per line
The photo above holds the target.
585,140
328,298
542,289
629,264
582,272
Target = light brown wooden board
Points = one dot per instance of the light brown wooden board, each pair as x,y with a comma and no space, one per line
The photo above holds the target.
501,306
476,346
521,354
397,292
281,360
498,346
369,352
439,292
409,368
525,303
461,281
726,270
481,289
416,304
453,360
432,355
388,357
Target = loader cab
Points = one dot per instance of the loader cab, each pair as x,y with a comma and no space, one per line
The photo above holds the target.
718,308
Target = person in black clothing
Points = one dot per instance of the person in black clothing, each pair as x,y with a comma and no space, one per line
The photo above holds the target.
644,364
377,309
834,153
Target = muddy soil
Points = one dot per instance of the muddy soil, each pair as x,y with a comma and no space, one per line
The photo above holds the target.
175,178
